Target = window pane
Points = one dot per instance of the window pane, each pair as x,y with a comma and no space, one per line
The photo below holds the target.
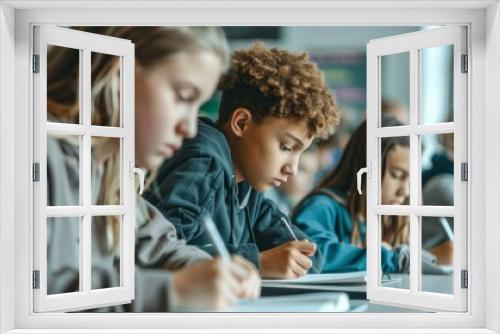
105,91
63,170
63,85
395,83
395,250
63,254
106,241
106,171
436,84
395,171
437,254
437,169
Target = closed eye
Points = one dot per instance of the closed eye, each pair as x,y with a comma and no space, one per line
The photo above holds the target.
188,98
398,174
285,148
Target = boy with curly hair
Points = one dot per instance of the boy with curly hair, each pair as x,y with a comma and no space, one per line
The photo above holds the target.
274,104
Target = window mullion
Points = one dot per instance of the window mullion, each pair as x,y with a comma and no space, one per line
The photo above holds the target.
80,130
414,171
419,129
372,147
419,210
85,241
128,156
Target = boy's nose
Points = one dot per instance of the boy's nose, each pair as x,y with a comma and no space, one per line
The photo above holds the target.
292,167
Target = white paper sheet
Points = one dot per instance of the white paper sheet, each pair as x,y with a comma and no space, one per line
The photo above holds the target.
350,277
307,302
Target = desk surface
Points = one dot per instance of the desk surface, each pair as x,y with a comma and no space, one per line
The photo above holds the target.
357,292
430,283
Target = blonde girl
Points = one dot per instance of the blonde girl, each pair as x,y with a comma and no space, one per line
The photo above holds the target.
176,70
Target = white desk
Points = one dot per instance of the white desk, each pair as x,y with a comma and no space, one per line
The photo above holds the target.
357,292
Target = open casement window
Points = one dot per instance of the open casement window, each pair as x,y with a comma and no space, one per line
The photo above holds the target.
435,61
68,197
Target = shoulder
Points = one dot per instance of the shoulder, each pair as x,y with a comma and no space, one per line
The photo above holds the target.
146,213
62,146
322,200
209,150
209,139
320,206
439,190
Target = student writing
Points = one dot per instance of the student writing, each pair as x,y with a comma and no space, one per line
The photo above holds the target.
334,214
274,103
176,70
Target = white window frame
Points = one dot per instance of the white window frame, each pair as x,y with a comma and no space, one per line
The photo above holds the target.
482,17
412,43
85,43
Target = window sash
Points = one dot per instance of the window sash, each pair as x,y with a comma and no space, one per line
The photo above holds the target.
412,43
85,43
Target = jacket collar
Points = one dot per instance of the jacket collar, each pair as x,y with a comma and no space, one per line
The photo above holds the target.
244,191
217,143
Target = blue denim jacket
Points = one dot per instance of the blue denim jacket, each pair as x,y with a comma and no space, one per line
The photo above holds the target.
198,180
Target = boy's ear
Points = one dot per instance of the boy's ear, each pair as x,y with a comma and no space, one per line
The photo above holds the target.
240,120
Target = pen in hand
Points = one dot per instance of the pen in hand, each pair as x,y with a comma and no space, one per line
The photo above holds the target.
288,228
216,239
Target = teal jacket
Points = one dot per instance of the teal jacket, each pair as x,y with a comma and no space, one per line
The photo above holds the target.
325,218
199,180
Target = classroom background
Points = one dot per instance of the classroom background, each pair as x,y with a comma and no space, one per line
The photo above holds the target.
340,52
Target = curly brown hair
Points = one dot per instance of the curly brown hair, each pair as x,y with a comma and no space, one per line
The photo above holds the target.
279,83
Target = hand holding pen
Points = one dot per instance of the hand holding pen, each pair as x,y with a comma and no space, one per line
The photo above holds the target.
292,235
288,260
288,228
245,277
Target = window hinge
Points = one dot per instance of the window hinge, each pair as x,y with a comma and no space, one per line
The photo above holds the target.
36,63
465,64
464,279
36,279
464,169
36,172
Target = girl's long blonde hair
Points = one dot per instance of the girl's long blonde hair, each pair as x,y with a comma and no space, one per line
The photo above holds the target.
152,46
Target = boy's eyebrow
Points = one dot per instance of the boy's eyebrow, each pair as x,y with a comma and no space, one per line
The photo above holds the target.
299,142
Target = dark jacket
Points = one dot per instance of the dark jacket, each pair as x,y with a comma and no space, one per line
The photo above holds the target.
200,180
441,164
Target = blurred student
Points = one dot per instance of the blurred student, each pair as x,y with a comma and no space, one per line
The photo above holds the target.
437,189
442,159
395,109
334,214
299,185
176,70
274,103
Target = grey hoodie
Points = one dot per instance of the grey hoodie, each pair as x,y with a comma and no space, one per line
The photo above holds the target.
158,250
